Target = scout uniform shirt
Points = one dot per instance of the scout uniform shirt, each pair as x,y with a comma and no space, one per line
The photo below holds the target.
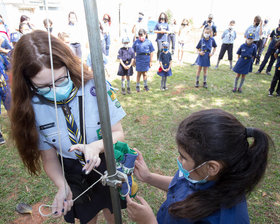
180,188
45,116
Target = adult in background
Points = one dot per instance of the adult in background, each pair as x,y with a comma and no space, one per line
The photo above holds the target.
173,30
26,19
106,23
162,30
182,35
256,29
74,34
210,23
274,37
228,37
263,40
140,24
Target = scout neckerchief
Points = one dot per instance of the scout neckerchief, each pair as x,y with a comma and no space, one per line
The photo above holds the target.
72,128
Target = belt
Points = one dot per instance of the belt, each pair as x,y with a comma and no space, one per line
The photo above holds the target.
144,54
247,58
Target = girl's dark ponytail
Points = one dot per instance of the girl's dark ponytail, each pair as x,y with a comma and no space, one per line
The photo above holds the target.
257,155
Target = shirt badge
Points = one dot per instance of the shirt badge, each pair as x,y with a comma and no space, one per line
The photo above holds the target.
92,91
112,95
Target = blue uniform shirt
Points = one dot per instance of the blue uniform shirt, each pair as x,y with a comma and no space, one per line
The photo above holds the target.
228,36
180,188
275,35
255,30
161,27
206,45
248,51
47,127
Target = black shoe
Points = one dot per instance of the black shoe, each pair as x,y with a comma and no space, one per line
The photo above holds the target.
205,85
278,94
270,94
146,88
258,72
268,73
123,91
128,90
239,90
234,90
2,140
196,84
137,89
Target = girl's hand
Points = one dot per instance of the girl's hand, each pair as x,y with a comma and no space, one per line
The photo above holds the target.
140,213
62,202
141,170
202,53
91,152
211,54
151,63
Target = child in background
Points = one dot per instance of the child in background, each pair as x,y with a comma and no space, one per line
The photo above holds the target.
183,32
126,56
143,49
217,169
228,38
276,77
204,48
244,65
165,61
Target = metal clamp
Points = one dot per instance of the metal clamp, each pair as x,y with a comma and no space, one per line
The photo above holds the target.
117,180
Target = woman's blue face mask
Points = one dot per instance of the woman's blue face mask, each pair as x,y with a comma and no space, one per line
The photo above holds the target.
63,88
187,173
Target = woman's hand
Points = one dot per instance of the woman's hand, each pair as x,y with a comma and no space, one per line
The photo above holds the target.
211,54
91,152
141,170
62,202
140,213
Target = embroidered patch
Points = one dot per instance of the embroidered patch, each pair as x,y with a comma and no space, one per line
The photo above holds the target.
112,95
99,133
118,104
46,126
92,91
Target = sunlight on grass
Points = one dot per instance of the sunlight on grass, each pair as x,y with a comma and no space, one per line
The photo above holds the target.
218,102
191,97
244,114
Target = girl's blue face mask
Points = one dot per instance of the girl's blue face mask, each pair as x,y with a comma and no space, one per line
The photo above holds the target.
187,173
165,49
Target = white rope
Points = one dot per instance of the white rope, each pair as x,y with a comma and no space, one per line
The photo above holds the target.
103,178
55,103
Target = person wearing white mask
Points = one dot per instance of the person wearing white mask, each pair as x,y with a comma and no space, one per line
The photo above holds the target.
246,54
206,48
140,24
228,38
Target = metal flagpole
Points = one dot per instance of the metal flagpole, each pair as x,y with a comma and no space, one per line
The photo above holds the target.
101,94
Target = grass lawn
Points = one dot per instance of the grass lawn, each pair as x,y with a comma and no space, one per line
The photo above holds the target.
150,125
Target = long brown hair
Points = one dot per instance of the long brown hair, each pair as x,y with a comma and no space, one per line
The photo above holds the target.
30,56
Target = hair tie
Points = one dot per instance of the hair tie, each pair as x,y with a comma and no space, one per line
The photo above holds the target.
249,132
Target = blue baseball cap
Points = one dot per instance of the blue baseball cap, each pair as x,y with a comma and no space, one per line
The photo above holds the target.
250,36
125,40
14,37
165,44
